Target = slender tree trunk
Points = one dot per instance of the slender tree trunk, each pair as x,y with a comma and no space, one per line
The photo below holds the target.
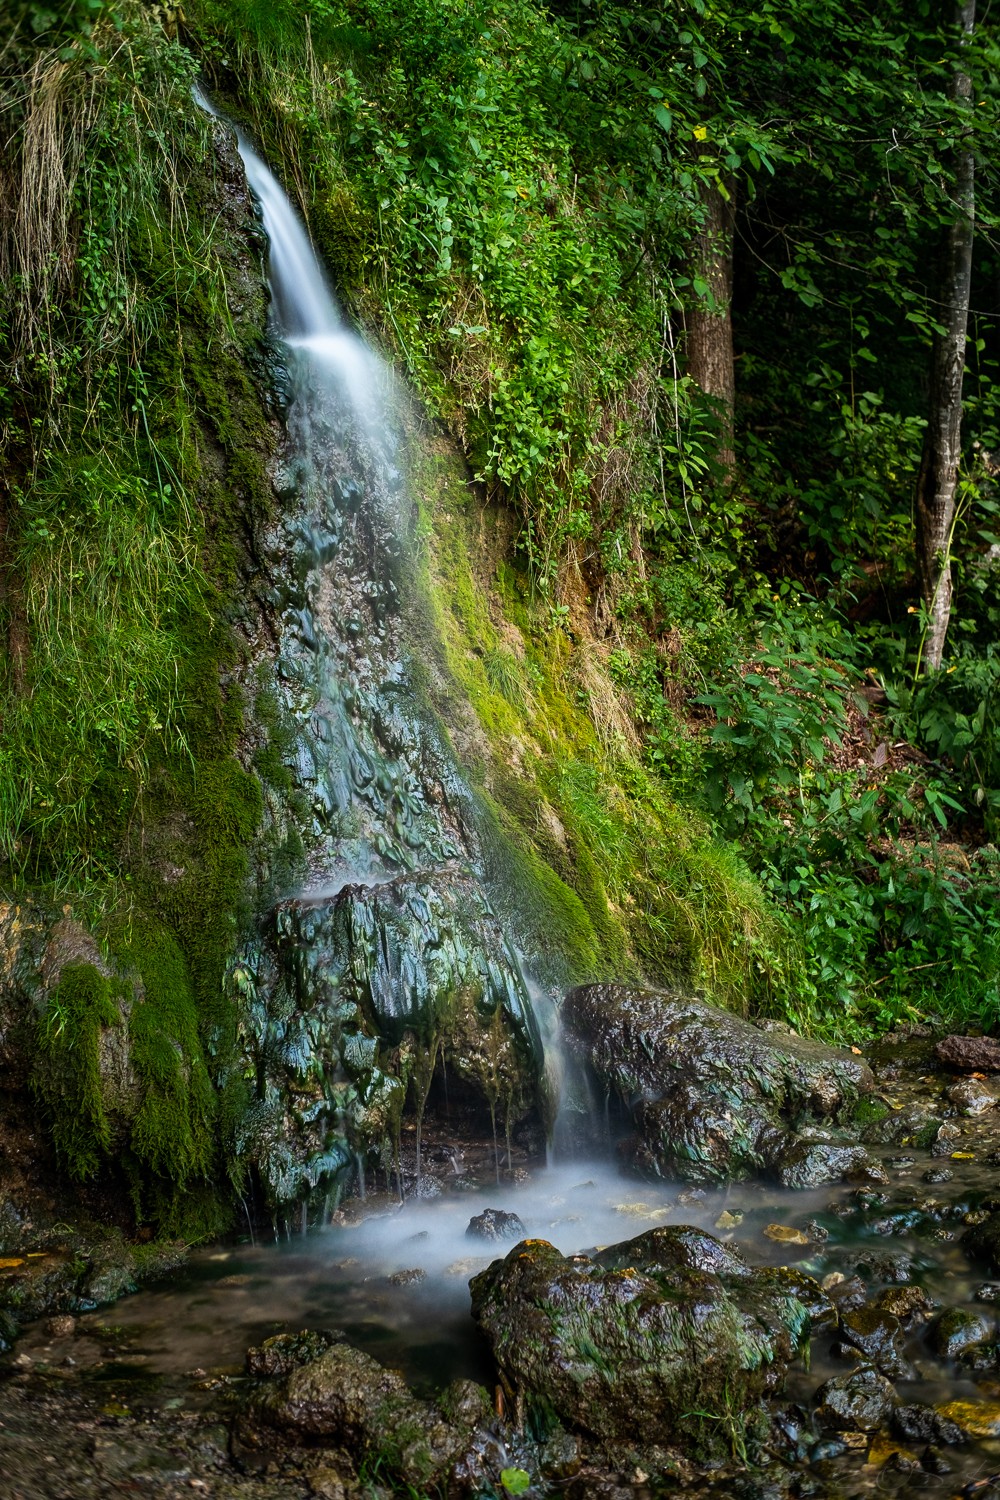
937,481
710,319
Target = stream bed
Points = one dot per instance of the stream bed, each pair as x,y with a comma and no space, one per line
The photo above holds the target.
138,1398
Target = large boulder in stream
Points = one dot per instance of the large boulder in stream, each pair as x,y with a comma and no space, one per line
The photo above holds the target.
667,1338
715,1098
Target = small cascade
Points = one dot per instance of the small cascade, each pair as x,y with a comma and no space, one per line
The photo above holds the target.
390,954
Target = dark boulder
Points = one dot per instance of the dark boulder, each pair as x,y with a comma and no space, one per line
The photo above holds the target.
496,1225
878,1337
957,1328
922,1424
969,1054
858,1402
712,1096
651,1341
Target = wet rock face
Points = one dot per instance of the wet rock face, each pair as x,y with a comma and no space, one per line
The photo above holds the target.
713,1097
969,1054
638,1343
496,1224
858,1402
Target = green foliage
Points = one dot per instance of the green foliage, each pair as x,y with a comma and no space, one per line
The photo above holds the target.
890,922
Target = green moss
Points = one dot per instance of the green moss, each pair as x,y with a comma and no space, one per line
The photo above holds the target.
172,1133
870,1112
67,1077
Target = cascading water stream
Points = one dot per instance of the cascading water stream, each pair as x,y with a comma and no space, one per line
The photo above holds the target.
391,941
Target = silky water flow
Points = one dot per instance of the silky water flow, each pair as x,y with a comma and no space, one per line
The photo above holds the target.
396,914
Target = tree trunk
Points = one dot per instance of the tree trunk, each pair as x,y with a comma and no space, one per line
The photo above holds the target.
710,319
937,481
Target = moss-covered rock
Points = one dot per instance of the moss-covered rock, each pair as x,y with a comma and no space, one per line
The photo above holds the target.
345,1397
714,1097
671,1337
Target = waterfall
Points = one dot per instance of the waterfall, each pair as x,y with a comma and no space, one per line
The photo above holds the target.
389,953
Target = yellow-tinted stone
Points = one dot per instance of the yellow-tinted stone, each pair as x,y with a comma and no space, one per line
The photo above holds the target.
727,1220
782,1234
977,1418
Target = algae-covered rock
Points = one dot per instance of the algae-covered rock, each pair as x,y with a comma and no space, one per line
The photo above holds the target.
878,1337
345,1397
714,1097
976,1418
670,1337
284,1352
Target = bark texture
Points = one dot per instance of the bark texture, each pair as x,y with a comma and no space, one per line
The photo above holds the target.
937,481
710,320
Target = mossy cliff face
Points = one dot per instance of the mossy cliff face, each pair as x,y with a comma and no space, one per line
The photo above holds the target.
353,786
383,957
135,479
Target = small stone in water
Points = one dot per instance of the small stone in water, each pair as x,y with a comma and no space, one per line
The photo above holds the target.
61,1326
988,1292
407,1278
827,1449
727,1220
934,1461
782,1234
922,1424
938,1174
908,1303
